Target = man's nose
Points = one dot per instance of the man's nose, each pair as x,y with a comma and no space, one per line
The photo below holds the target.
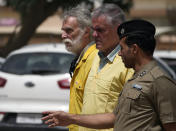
94,34
64,35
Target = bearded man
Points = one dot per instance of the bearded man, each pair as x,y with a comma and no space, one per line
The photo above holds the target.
76,36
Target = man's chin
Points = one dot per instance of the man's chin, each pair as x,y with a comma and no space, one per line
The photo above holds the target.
68,48
67,44
99,47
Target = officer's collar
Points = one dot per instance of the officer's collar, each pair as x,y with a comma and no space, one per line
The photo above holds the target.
145,69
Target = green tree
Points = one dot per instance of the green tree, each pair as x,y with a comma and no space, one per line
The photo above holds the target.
34,12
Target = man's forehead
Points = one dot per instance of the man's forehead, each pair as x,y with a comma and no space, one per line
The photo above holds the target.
101,17
69,27
103,26
71,19
70,22
100,25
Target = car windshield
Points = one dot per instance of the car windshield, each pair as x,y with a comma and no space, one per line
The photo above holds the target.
171,63
38,63
165,67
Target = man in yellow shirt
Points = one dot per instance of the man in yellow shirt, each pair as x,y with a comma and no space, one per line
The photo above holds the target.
108,73
77,38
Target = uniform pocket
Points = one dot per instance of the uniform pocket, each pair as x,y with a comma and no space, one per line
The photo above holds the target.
129,100
133,94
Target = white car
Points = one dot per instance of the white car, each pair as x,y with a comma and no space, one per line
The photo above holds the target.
34,79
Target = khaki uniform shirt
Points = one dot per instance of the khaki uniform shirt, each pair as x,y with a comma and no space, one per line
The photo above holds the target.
147,101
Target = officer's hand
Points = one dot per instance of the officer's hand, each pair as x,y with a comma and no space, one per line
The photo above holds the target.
57,118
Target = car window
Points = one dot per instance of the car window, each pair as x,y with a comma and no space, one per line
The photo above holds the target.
38,63
165,67
171,63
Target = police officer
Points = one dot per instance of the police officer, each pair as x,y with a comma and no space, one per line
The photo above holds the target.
147,101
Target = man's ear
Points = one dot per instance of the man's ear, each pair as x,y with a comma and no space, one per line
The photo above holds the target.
135,48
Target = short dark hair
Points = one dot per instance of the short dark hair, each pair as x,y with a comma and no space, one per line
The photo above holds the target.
147,44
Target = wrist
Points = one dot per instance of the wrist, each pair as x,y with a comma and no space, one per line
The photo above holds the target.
74,119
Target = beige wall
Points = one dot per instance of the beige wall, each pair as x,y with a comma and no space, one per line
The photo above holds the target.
48,31
155,11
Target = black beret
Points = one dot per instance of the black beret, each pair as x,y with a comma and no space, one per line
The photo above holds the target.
136,27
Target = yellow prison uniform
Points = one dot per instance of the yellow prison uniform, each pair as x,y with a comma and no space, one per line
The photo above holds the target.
103,88
78,82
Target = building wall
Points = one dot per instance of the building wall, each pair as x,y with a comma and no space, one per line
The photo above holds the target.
48,31
160,12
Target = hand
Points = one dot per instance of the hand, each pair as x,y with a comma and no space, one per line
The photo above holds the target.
57,118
